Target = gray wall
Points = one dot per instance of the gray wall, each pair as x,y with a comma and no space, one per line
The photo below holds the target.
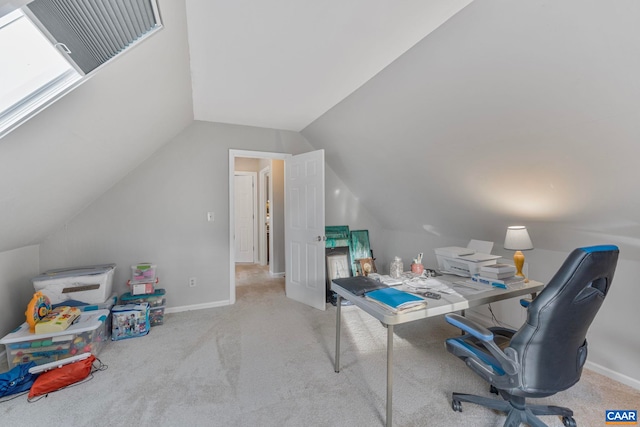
613,339
17,267
158,213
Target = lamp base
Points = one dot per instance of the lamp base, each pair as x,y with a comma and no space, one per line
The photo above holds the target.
518,261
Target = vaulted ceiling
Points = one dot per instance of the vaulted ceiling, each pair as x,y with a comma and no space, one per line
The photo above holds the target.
452,118
446,118
281,64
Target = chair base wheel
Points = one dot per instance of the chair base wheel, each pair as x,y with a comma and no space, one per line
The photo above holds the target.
569,422
493,390
456,405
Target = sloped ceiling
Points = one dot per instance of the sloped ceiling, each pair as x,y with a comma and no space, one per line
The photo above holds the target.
498,113
68,155
510,112
281,63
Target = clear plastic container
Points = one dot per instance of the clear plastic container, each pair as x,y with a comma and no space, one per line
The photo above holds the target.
396,268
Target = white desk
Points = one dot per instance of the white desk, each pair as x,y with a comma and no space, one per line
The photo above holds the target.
447,304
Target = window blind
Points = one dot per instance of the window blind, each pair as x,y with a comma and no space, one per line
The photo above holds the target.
91,32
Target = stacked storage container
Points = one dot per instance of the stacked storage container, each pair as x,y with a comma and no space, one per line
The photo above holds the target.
142,284
156,301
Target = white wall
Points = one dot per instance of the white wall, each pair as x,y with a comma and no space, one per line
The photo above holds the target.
158,213
17,267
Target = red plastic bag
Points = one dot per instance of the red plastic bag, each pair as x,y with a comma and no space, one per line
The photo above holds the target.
61,377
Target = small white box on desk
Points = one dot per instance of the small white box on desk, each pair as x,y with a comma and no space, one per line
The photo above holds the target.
462,261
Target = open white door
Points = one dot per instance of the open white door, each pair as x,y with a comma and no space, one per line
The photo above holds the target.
304,229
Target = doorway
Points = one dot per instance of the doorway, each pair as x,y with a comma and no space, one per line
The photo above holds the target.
300,257
268,245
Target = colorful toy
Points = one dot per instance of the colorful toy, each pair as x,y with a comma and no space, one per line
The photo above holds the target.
58,319
38,308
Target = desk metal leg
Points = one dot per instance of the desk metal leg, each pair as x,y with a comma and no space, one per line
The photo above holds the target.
389,373
338,320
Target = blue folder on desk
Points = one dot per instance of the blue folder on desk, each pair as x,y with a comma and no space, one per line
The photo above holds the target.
396,299
359,285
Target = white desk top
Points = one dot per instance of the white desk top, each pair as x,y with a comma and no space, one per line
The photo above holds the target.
444,305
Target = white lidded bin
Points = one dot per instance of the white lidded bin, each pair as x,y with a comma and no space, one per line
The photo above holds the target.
91,285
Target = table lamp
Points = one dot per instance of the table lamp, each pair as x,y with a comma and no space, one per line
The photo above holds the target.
517,239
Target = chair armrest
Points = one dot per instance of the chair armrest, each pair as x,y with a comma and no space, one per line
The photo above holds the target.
469,326
508,361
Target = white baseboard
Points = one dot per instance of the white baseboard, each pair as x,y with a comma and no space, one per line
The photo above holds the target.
197,306
616,376
609,373
276,274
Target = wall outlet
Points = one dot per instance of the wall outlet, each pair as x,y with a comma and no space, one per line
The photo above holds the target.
211,216
192,282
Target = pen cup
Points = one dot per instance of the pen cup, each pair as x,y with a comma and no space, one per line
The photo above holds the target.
417,268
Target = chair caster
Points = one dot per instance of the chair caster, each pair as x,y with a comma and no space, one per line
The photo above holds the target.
493,390
569,422
456,405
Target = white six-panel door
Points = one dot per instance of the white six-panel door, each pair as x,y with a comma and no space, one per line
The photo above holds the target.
304,229
244,217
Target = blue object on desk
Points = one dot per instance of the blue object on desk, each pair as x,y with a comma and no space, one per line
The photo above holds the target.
393,297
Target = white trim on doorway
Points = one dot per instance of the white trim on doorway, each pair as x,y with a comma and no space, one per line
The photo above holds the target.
265,189
232,156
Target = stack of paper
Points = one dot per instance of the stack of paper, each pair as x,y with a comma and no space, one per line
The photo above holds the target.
396,300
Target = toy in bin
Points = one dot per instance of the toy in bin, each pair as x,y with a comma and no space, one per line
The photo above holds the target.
129,321
42,319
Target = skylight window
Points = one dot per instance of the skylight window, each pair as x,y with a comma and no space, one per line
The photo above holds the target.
32,71
51,46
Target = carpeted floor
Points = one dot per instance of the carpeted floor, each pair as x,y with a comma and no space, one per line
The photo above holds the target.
268,361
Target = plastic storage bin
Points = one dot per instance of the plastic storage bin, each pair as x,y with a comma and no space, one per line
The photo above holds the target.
143,273
87,335
155,299
107,305
129,321
91,285
156,316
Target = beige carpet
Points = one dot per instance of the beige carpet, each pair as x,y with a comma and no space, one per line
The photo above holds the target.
268,361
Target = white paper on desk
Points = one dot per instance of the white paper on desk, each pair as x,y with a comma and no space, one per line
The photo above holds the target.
433,285
468,287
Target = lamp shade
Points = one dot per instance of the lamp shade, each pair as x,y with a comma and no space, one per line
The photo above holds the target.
517,239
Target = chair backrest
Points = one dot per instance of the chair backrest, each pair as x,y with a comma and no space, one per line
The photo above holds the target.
552,344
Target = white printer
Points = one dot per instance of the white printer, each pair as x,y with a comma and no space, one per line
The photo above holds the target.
464,261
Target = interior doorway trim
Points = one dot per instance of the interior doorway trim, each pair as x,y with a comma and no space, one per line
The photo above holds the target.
233,153
264,224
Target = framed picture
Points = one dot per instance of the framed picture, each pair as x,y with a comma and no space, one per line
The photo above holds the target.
366,266
338,266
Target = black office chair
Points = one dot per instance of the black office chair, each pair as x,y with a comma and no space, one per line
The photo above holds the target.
547,353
